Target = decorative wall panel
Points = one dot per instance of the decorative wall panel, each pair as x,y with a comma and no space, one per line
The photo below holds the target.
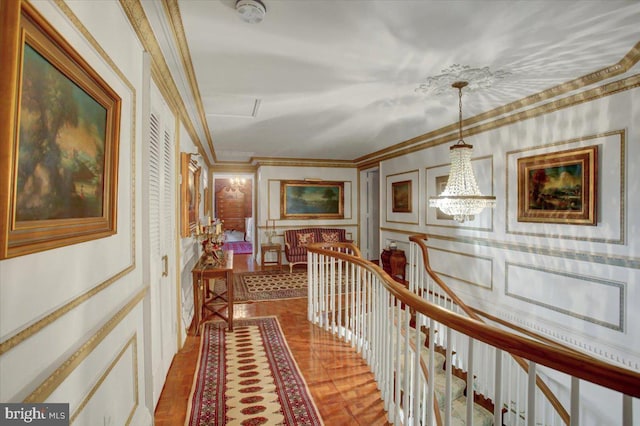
469,269
396,184
597,300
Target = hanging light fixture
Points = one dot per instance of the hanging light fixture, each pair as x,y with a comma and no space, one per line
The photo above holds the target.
237,182
461,197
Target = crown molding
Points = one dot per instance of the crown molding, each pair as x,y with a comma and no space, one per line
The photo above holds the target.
435,138
174,18
159,69
441,135
233,168
302,162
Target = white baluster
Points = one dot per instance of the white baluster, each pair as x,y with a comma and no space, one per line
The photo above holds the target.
531,395
497,399
627,410
470,382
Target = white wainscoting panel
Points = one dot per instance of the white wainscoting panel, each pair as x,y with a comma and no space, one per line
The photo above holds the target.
593,299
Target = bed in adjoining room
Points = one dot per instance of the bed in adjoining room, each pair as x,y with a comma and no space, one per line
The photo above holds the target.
235,240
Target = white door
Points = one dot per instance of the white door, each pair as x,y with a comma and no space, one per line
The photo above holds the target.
162,235
370,214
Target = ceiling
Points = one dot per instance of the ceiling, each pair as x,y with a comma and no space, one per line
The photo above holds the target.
342,80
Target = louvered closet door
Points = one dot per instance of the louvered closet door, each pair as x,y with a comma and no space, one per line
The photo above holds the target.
162,240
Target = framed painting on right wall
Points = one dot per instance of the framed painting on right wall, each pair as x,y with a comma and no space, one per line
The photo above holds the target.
401,196
559,187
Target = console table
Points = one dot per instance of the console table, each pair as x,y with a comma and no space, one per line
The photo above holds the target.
205,297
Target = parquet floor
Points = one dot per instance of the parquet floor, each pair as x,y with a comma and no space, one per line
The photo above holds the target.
339,380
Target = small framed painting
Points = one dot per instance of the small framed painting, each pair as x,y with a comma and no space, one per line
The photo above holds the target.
559,187
401,196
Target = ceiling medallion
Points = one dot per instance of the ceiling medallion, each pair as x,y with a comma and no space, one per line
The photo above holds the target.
478,78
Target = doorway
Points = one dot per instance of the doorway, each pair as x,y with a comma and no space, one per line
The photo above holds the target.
370,214
234,206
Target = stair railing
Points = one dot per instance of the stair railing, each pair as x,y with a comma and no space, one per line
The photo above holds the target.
356,300
346,298
438,292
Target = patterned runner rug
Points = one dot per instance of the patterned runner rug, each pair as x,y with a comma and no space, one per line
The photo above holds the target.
248,377
270,285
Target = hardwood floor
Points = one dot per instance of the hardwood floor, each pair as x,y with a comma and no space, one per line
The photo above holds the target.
339,380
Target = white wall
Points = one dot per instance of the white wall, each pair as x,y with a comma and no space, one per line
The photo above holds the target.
577,284
268,203
71,318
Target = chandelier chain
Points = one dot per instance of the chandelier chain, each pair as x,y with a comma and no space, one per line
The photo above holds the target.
460,114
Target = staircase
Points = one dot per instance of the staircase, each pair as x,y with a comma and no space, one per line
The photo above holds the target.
482,407
481,416
425,381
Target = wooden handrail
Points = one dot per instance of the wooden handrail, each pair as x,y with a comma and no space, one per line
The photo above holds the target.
419,240
345,245
573,363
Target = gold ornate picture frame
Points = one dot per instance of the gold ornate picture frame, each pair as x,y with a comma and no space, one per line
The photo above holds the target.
59,161
189,194
401,197
207,201
559,187
301,199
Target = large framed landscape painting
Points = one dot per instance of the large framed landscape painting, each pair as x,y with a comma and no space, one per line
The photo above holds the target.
559,187
62,159
311,199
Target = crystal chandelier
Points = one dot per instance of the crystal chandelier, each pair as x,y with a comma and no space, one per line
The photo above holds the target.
461,198
237,182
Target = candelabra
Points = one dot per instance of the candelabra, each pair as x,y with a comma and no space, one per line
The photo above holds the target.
270,233
212,237
270,230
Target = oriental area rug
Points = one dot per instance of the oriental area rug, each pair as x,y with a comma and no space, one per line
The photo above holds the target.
248,377
269,285
238,247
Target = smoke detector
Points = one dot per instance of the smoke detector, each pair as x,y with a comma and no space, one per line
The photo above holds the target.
251,11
